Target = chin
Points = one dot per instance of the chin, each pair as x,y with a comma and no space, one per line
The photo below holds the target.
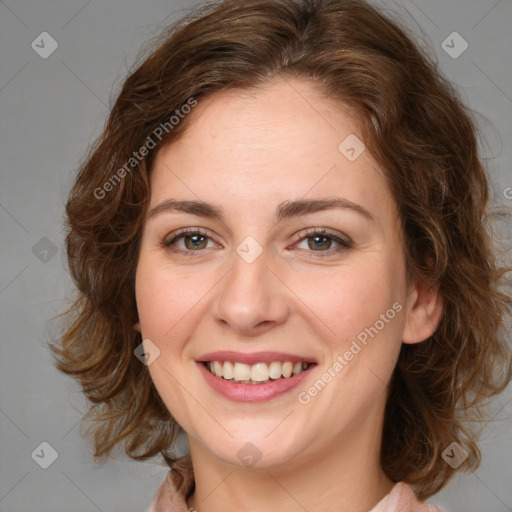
256,448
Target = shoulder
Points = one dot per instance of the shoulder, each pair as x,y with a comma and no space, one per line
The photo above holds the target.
402,499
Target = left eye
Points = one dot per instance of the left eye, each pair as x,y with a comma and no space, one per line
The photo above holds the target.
317,241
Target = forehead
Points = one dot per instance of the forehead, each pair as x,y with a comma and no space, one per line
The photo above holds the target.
273,143
284,117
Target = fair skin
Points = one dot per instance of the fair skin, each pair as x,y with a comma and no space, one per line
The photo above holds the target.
248,153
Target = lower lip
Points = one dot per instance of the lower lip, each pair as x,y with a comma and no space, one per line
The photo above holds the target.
252,392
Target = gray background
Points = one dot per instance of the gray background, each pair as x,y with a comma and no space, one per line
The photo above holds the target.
50,111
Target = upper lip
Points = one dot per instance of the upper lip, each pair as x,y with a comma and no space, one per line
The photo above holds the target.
253,357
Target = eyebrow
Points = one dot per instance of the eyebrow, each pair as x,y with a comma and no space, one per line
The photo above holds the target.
285,210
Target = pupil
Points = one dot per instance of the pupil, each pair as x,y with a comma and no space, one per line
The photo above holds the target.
195,239
316,239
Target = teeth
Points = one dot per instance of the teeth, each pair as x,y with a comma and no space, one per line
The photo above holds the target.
260,372
242,371
297,368
287,369
228,371
275,370
217,369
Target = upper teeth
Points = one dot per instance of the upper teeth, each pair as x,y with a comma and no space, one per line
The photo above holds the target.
259,372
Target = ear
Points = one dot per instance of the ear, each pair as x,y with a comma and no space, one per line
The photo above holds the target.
423,313
136,327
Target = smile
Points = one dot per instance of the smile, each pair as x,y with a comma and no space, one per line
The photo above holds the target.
259,373
254,377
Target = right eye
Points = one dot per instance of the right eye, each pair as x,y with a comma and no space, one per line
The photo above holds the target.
193,238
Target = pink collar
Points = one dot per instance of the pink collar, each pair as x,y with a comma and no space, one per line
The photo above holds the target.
172,494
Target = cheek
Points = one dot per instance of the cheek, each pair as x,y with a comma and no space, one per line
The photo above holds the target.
168,301
158,301
162,308
348,300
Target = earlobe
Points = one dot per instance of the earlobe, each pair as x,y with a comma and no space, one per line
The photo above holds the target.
424,310
136,327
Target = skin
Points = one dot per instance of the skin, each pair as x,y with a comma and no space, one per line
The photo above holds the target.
249,152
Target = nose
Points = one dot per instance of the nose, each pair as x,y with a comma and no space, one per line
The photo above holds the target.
252,298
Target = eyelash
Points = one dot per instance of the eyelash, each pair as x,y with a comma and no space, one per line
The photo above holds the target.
344,244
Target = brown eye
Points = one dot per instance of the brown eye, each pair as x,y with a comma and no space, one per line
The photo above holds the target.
320,241
194,240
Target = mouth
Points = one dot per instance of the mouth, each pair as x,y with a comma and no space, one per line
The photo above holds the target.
256,374
254,377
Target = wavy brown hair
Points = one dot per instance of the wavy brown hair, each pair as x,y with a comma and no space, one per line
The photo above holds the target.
418,130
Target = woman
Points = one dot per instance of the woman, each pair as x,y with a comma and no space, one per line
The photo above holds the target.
283,248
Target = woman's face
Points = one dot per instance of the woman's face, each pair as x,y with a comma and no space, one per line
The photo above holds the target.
266,281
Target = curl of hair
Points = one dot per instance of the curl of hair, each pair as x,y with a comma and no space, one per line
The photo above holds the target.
419,132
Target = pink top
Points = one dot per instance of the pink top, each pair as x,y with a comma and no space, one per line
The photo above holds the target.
169,499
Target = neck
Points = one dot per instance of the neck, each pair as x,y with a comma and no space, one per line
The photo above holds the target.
345,476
